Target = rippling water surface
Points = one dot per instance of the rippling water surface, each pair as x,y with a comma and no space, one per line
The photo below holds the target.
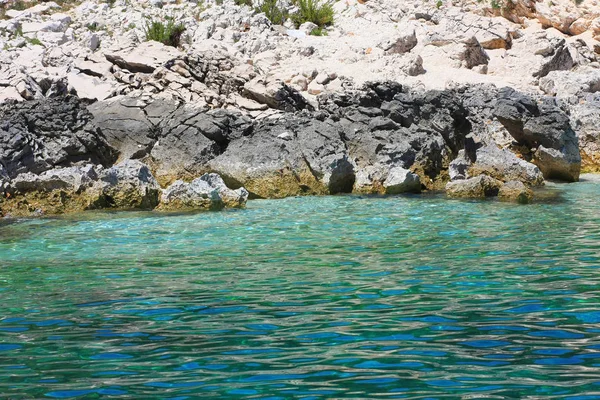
330,297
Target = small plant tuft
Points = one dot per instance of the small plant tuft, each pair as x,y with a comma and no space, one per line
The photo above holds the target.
318,32
34,41
243,3
320,14
19,31
92,26
169,34
439,4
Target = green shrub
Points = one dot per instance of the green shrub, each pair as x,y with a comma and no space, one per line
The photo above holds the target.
20,5
272,11
243,3
169,35
320,14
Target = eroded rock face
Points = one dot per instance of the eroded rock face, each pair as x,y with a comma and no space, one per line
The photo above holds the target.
39,135
284,157
176,139
541,127
127,185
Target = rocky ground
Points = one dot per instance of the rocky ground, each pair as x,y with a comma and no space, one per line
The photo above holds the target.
478,99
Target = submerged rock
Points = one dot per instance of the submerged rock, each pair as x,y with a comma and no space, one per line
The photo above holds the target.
515,191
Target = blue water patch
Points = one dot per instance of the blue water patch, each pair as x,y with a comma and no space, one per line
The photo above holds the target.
557,334
485,343
9,347
559,361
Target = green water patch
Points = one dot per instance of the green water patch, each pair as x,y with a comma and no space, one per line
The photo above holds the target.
310,297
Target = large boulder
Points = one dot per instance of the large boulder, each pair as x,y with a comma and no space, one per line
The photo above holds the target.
208,192
491,33
478,187
505,166
127,185
544,129
535,55
145,57
69,179
585,117
400,42
400,180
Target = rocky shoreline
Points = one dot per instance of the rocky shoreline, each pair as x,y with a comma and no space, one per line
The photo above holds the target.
63,154
139,125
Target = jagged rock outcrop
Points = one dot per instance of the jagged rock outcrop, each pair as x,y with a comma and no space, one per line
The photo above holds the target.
39,135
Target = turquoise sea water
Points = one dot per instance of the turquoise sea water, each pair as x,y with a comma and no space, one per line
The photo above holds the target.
330,297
